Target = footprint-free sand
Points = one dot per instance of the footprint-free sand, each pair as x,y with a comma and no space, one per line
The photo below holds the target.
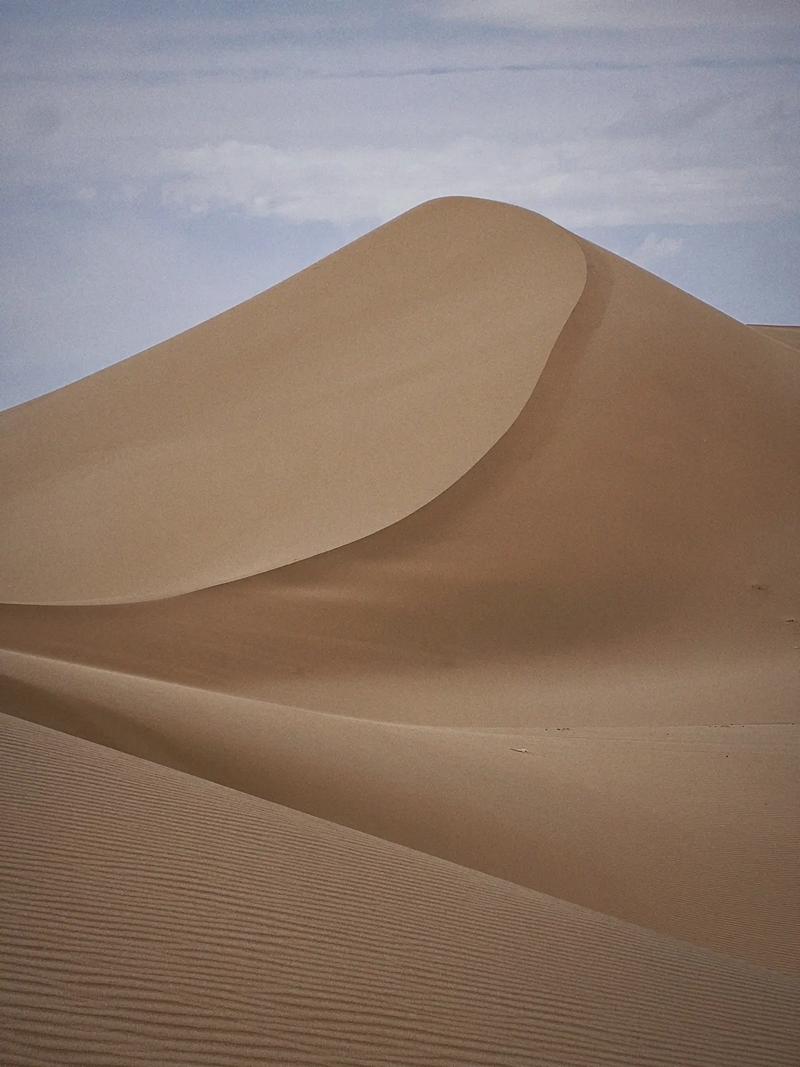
404,667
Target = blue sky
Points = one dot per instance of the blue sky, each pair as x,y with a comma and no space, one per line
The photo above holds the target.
164,161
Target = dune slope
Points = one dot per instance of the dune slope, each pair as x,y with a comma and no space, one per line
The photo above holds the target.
789,335
473,538
153,917
688,830
312,415
625,553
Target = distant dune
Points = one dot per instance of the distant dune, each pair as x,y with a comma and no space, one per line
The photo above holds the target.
427,630
790,335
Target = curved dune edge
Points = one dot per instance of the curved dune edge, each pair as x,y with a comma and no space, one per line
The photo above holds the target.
194,924
625,553
787,335
615,819
328,408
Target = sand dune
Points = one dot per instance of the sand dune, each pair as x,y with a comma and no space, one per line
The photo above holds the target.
486,547
626,548
157,918
312,415
619,819
789,335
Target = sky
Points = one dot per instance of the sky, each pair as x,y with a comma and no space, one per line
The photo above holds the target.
164,161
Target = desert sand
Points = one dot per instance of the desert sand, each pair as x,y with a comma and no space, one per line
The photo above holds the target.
789,335
404,667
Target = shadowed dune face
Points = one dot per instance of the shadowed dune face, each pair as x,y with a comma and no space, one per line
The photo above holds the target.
788,335
626,549
486,542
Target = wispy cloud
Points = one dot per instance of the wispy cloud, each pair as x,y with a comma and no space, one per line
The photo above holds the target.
655,249
579,184
646,118
621,14
367,38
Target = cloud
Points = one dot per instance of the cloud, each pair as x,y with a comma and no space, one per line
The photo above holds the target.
578,184
654,249
622,14
149,44
645,119
175,158
104,105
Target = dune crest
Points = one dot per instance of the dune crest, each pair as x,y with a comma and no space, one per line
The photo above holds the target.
308,417
626,549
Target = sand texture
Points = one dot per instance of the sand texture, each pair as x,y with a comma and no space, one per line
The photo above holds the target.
404,667
155,917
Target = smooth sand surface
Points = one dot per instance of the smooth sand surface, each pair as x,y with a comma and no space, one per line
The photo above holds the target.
487,547
789,335
312,415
